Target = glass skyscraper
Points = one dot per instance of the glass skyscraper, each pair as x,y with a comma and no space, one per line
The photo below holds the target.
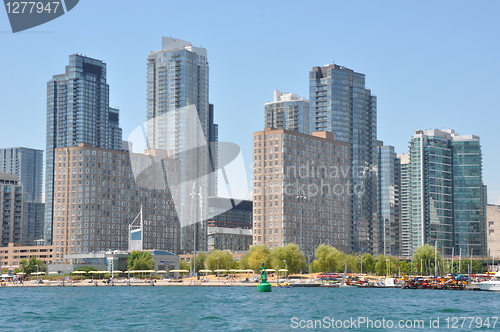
340,103
406,246
431,158
28,165
180,120
469,196
77,112
287,111
447,195
390,201
11,205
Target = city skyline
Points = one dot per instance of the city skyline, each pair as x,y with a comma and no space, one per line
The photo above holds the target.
424,75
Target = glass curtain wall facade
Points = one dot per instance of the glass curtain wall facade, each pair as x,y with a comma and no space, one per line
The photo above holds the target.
11,205
432,190
469,192
287,111
406,245
28,165
213,153
179,119
77,112
390,201
340,103
447,193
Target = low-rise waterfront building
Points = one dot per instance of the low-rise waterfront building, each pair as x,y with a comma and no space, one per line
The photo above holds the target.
114,260
11,254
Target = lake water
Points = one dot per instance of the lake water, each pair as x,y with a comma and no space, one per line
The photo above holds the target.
244,309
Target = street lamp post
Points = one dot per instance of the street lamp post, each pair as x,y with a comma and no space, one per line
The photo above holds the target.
460,261
37,274
361,262
194,230
284,261
218,267
309,263
388,267
435,258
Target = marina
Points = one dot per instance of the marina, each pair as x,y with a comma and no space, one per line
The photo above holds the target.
483,282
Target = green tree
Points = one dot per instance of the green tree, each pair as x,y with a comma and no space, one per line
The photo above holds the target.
29,266
328,259
424,258
220,259
368,263
465,266
394,265
405,267
380,265
351,262
184,265
292,255
255,256
200,261
386,265
140,260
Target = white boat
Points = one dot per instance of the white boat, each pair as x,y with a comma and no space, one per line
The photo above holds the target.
490,285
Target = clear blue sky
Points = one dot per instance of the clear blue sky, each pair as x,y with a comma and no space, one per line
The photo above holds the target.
432,64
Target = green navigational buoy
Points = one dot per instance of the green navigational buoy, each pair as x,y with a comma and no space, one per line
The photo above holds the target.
264,286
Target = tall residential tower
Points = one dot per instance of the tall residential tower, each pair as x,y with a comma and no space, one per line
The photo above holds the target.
28,165
180,120
77,112
340,103
300,194
287,111
447,195
390,201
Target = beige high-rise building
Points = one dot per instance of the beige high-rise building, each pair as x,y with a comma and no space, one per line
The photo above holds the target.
302,190
96,197
493,230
